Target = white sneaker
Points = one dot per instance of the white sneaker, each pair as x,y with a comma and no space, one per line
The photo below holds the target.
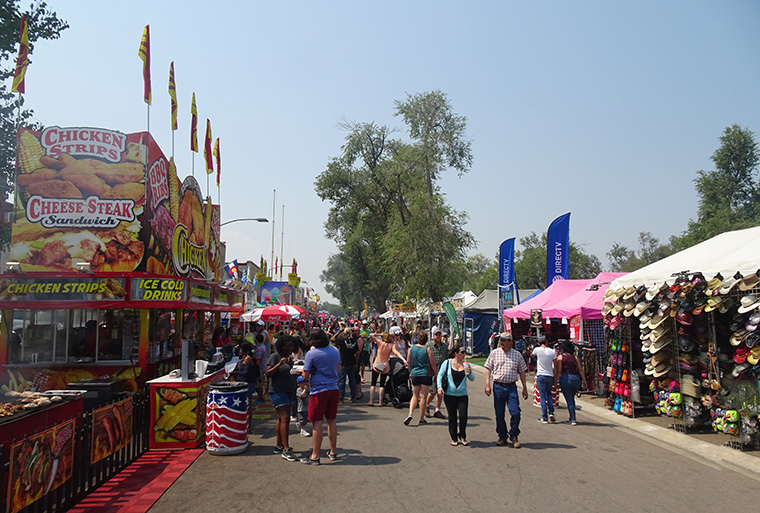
304,432
293,419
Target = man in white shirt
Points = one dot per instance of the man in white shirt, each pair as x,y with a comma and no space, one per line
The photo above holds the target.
545,357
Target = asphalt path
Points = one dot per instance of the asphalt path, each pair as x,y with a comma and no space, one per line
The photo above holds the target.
386,466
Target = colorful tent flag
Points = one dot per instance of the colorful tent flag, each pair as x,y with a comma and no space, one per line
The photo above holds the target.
234,268
218,155
207,149
193,127
144,54
295,266
23,59
244,275
173,95
229,271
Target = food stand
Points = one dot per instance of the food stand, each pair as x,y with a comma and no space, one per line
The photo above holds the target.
178,410
114,262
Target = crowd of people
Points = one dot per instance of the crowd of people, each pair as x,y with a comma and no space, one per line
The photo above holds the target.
307,371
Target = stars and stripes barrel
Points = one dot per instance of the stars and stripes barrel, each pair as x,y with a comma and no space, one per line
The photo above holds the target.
227,417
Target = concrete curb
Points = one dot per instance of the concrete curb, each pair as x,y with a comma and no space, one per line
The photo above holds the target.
711,454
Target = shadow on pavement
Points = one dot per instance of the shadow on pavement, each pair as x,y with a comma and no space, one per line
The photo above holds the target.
354,457
540,446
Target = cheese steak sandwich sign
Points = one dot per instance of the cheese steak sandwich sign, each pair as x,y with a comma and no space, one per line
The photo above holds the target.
80,195
112,200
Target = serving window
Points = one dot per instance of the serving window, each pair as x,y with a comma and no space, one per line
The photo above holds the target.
73,336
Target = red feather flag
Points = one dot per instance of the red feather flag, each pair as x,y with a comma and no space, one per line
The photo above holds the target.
144,54
207,149
23,59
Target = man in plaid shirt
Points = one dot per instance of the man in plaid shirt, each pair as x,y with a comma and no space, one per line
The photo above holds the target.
505,365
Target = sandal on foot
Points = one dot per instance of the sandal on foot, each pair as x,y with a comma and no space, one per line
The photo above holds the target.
464,442
453,443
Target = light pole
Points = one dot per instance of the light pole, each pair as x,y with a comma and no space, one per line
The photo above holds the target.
259,219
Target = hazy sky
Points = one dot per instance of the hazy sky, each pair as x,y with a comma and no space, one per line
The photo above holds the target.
604,109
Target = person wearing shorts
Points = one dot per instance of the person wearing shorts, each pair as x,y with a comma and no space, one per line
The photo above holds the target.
282,392
321,367
421,369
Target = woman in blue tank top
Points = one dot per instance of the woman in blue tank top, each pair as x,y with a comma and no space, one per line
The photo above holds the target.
421,369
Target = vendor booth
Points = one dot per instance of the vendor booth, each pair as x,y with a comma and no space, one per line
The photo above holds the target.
684,338
481,320
114,264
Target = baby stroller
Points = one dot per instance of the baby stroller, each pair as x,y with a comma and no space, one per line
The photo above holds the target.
398,389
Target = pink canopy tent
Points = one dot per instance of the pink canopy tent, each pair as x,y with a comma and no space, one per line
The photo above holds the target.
586,302
553,294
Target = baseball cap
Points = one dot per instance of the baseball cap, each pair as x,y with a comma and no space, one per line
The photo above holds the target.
505,335
260,323
300,379
435,330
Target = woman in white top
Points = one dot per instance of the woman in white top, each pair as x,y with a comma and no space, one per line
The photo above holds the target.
545,357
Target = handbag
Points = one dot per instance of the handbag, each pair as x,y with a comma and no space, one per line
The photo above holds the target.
380,367
445,378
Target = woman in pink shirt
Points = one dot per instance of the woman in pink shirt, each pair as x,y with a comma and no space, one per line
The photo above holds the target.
381,365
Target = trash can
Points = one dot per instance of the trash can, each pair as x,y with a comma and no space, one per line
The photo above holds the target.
227,417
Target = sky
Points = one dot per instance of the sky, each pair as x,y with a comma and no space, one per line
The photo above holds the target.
603,109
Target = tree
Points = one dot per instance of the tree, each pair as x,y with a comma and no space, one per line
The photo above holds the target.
729,196
480,273
42,24
530,262
332,309
623,259
396,235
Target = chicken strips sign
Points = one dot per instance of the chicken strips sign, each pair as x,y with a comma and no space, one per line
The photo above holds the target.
80,195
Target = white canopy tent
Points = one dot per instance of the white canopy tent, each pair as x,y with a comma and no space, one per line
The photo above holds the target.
726,254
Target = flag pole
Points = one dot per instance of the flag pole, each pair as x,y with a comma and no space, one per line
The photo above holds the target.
274,196
282,238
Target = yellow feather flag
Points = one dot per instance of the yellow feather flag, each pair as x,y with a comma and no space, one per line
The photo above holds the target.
23,59
144,54
193,127
173,95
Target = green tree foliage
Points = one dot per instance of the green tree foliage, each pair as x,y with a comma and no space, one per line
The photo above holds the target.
331,309
42,24
729,196
397,237
530,262
623,259
478,273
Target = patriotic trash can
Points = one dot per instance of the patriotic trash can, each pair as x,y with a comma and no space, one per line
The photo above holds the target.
227,417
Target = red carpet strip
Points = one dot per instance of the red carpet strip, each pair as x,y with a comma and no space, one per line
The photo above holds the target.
136,488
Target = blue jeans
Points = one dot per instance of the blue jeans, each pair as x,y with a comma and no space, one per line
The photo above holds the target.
350,372
544,384
506,397
570,384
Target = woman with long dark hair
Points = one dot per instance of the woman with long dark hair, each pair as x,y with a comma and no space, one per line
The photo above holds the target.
282,392
567,373
456,372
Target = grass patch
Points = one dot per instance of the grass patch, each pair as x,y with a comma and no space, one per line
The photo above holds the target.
477,360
